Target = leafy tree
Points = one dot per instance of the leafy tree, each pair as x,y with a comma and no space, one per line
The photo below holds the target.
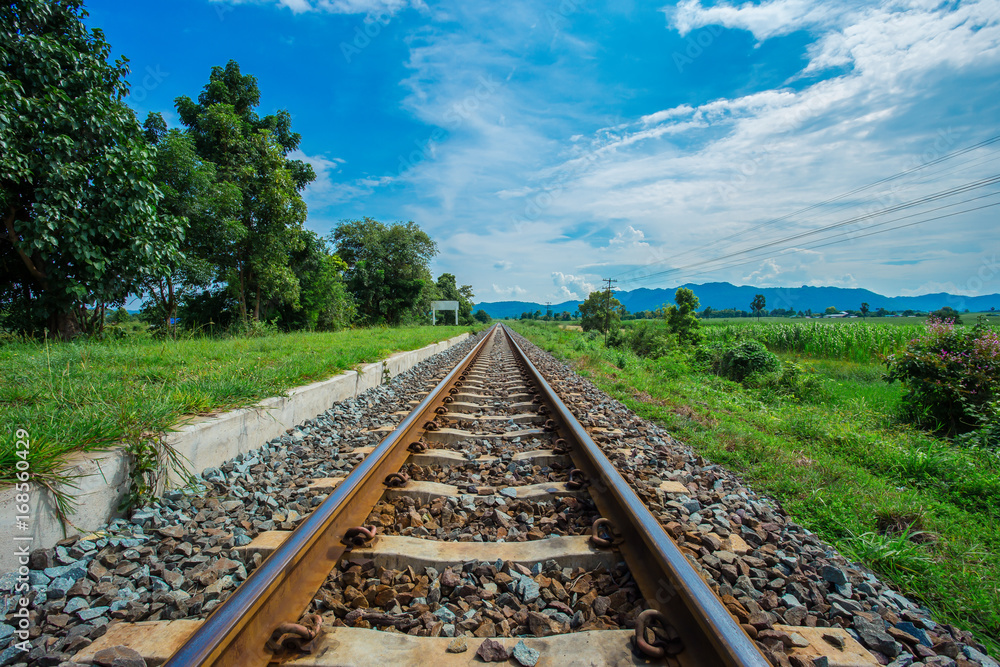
447,290
864,309
204,207
681,319
758,304
79,230
324,302
947,313
600,311
251,152
386,268
832,310
481,316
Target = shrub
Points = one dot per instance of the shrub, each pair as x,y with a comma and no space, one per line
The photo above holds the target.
747,358
617,338
674,364
708,357
952,376
792,380
650,340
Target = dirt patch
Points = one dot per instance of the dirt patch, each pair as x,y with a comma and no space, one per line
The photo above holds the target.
685,411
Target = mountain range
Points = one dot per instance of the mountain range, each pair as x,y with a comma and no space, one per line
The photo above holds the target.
719,296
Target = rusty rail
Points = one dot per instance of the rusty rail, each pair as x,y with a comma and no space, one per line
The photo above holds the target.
280,590
709,633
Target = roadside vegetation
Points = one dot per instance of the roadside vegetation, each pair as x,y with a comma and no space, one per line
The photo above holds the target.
903,475
94,395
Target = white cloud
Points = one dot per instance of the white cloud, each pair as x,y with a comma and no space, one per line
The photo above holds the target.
503,265
570,286
326,190
764,20
768,271
510,290
629,238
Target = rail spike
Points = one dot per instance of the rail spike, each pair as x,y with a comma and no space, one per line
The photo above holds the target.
396,479
577,479
656,642
359,536
295,637
604,534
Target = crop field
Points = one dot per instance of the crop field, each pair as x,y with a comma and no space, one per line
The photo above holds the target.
853,340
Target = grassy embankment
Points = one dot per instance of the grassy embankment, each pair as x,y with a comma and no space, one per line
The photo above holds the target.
839,461
87,396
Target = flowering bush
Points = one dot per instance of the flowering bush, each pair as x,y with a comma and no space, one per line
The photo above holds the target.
952,376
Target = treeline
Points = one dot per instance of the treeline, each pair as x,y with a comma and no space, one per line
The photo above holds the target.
204,223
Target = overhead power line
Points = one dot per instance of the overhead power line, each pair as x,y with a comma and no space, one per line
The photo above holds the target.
766,223
965,187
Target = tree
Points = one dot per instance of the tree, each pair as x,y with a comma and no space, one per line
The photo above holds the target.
758,304
447,290
79,230
681,319
251,152
947,313
481,316
386,268
832,310
324,302
205,209
864,310
598,309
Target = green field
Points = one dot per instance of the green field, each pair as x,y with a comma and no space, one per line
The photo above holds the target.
838,459
89,395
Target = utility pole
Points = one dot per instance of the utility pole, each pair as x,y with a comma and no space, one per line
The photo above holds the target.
607,312
548,310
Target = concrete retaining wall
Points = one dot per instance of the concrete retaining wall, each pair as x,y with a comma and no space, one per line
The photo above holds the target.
102,479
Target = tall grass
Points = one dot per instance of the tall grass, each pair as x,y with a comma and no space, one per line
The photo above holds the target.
87,395
850,341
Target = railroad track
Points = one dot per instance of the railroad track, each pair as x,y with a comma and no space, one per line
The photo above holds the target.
489,510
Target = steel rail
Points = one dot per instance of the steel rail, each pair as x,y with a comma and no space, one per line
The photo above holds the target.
281,589
710,634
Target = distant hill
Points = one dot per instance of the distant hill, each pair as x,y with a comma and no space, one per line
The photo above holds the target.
725,295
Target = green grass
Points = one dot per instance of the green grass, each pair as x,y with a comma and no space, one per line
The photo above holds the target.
923,513
87,396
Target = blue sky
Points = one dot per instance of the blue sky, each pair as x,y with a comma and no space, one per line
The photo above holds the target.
548,145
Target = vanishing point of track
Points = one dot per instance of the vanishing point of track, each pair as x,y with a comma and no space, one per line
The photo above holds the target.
273,614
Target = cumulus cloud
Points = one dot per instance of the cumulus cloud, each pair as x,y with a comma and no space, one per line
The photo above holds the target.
572,287
629,238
